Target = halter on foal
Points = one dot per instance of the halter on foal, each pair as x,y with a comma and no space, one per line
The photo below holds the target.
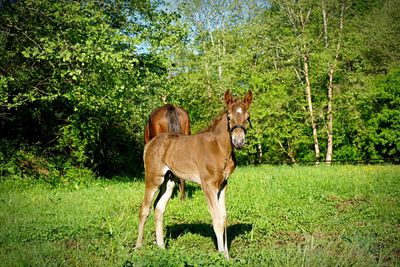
168,118
206,158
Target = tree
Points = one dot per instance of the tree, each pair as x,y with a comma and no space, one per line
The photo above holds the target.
331,71
381,113
299,16
73,78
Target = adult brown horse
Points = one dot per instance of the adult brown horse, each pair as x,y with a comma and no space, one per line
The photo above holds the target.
168,118
206,158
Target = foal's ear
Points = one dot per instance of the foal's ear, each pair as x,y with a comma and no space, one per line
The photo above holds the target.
248,98
228,98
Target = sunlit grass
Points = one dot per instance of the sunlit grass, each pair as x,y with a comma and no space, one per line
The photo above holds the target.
291,216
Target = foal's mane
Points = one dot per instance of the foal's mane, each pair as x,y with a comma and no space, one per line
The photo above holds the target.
217,119
213,123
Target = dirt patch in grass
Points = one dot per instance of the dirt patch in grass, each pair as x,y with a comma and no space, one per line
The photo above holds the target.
343,204
72,244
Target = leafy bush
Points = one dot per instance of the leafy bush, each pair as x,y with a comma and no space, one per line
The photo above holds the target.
27,166
72,81
381,112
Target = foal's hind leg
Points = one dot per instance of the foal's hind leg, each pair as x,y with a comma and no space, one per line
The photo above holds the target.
144,211
160,205
182,189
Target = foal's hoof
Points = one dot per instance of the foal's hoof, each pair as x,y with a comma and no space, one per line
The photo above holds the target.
162,246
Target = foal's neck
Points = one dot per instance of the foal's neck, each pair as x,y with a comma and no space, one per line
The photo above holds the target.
222,134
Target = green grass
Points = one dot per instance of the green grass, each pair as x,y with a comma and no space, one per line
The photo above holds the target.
277,216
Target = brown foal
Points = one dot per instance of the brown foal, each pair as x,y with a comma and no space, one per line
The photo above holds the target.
168,118
206,158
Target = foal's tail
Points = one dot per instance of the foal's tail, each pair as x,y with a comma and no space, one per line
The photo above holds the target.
173,120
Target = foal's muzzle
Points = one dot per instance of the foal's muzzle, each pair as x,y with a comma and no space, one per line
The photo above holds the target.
238,136
238,133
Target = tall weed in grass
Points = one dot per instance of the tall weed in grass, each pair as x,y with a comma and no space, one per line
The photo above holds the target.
277,216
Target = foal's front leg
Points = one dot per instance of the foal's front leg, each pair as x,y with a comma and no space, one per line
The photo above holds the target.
221,203
216,205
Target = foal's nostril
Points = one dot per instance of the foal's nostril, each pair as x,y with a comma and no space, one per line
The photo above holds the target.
238,142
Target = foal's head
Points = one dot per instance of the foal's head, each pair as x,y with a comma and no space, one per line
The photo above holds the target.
238,116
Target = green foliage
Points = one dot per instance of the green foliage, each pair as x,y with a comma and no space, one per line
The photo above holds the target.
79,79
317,216
71,76
264,53
27,166
382,113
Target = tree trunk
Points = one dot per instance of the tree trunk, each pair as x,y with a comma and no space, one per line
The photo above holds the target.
206,67
260,153
329,149
310,106
325,20
303,18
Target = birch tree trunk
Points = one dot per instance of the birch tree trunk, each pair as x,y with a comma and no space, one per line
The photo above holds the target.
329,149
299,20
310,105
325,21
306,60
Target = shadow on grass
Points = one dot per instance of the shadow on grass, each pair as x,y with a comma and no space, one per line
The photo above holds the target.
125,178
206,230
189,190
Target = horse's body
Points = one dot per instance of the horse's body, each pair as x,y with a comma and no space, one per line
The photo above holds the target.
168,118
206,158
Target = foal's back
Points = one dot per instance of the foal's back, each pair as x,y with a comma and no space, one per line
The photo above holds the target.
189,157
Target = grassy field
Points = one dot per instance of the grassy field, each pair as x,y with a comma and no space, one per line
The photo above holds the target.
277,216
